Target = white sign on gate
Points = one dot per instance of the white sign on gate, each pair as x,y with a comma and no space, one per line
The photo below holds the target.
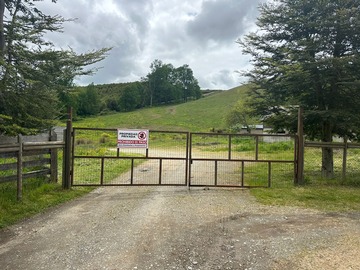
133,138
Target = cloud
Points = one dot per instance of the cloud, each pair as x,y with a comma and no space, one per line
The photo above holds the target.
200,33
222,21
139,21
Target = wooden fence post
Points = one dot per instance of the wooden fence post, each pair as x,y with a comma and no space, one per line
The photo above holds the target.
345,158
66,183
53,159
20,168
300,158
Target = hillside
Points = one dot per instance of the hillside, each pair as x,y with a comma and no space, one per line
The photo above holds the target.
200,115
106,91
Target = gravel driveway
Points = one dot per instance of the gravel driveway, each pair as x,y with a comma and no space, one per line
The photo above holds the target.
174,228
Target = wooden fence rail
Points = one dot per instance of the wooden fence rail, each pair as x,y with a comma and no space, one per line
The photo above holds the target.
29,159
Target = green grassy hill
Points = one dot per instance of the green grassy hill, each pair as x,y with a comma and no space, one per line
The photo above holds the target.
200,115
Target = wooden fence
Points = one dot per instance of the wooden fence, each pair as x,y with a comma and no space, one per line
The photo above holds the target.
25,157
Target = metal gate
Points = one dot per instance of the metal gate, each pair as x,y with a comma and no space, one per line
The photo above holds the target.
182,159
96,160
241,160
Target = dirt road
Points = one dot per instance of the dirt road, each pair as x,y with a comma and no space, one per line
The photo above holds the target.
174,228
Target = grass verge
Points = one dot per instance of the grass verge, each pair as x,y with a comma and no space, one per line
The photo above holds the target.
319,197
38,195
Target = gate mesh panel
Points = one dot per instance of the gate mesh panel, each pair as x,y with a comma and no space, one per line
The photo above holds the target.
241,160
98,161
87,171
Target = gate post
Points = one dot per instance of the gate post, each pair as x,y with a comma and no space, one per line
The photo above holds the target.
20,168
66,181
53,158
188,159
300,155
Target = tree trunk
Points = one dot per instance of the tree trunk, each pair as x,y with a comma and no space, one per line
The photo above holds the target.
327,169
327,164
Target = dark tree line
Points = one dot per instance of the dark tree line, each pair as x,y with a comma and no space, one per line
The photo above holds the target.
95,99
164,84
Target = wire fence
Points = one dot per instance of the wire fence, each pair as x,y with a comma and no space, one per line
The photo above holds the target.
346,163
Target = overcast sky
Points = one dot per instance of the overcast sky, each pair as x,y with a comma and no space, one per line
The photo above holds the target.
200,33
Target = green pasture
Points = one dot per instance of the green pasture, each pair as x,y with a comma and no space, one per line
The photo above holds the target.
203,114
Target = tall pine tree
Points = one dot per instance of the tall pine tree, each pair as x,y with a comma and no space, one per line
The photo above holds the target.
306,52
33,73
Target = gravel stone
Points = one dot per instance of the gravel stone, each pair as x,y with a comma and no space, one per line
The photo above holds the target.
176,228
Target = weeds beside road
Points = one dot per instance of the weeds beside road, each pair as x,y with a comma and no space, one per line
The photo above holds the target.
38,196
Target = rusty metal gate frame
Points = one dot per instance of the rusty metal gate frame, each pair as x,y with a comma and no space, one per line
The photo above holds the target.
242,161
189,159
132,158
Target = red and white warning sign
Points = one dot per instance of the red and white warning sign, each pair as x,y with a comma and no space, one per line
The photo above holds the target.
133,138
